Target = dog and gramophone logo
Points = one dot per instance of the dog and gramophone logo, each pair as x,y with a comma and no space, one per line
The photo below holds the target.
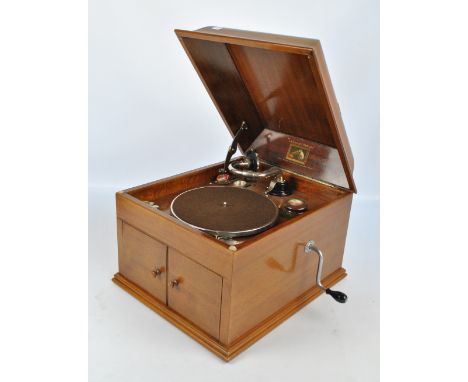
298,153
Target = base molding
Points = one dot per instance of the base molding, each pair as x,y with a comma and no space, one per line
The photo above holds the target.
249,338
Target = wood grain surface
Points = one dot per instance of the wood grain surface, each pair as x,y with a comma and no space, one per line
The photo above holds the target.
197,296
275,270
279,83
141,255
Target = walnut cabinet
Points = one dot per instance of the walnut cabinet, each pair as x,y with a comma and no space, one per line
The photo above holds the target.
225,296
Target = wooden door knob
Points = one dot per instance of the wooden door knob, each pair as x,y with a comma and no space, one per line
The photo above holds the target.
174,283
156,272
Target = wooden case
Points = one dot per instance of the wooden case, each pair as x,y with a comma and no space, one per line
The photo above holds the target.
227,297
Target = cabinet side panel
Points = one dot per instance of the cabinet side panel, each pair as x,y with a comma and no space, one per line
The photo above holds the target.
119,240
274,271
225,312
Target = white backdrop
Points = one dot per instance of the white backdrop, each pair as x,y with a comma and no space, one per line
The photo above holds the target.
146,102
150,117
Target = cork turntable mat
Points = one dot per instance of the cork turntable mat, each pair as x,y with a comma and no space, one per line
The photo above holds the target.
225,211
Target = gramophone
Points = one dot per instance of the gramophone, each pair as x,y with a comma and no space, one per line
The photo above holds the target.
229,251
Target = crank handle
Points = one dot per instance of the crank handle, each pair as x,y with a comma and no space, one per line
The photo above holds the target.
337,296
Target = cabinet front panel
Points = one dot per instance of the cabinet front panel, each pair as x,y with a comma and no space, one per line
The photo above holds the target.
194,292
143,261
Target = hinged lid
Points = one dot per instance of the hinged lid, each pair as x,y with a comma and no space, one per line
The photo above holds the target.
281,87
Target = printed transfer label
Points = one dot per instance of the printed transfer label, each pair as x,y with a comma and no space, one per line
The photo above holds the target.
297,153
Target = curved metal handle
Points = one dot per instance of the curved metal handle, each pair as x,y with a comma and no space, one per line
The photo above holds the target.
156,272
337,296
236,168
174,283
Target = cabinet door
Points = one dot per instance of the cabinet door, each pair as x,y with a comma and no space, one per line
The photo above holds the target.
194,292
143,261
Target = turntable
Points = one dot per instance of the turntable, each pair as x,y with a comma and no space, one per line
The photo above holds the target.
229,251
225,212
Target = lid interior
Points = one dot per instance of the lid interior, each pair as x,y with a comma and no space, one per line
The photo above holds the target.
279,92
